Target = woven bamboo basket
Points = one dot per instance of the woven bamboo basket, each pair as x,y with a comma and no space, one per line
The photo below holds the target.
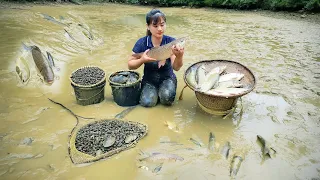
78,157
215,104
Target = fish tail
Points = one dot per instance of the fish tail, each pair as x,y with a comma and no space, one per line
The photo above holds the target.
25,47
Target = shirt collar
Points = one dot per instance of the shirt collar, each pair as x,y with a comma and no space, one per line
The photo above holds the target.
149,42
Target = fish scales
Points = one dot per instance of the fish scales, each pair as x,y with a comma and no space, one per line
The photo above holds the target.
42,65
163,52
235,165
226,150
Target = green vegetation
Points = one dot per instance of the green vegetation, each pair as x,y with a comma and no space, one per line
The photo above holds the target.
276,5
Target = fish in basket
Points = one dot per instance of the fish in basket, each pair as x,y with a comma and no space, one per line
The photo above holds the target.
218,84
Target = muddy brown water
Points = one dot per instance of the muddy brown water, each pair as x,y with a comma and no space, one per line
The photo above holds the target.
284,107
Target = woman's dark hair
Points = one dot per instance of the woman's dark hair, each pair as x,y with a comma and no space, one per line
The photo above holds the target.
153,17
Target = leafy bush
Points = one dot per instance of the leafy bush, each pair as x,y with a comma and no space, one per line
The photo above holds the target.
313,5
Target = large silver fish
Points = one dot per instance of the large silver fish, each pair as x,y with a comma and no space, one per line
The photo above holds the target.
229,84
231,76
200,76
191,77
227,91
163,52
211,79
42,65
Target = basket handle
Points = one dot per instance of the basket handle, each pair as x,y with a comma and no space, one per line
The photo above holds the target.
92,96
181,93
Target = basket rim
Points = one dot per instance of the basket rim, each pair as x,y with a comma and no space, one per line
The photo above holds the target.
124,85
221,96
91,85
89,158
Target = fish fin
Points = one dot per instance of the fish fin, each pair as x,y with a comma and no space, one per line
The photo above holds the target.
50,59
25,47
161,63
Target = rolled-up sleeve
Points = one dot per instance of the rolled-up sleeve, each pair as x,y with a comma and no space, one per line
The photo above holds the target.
138,47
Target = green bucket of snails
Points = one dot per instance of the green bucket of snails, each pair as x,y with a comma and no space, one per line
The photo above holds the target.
88,83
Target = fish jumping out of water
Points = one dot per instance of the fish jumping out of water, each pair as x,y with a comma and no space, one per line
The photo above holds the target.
42,65
23,70
163,52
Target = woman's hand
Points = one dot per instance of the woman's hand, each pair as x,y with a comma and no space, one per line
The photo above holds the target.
145,58
177,57
177,51
135,61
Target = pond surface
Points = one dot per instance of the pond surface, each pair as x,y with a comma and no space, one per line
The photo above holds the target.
282,52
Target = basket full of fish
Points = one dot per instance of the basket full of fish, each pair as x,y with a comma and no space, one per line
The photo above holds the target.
88,83
219,83
126,87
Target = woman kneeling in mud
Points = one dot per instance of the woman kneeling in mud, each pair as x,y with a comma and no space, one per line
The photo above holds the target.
159,80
